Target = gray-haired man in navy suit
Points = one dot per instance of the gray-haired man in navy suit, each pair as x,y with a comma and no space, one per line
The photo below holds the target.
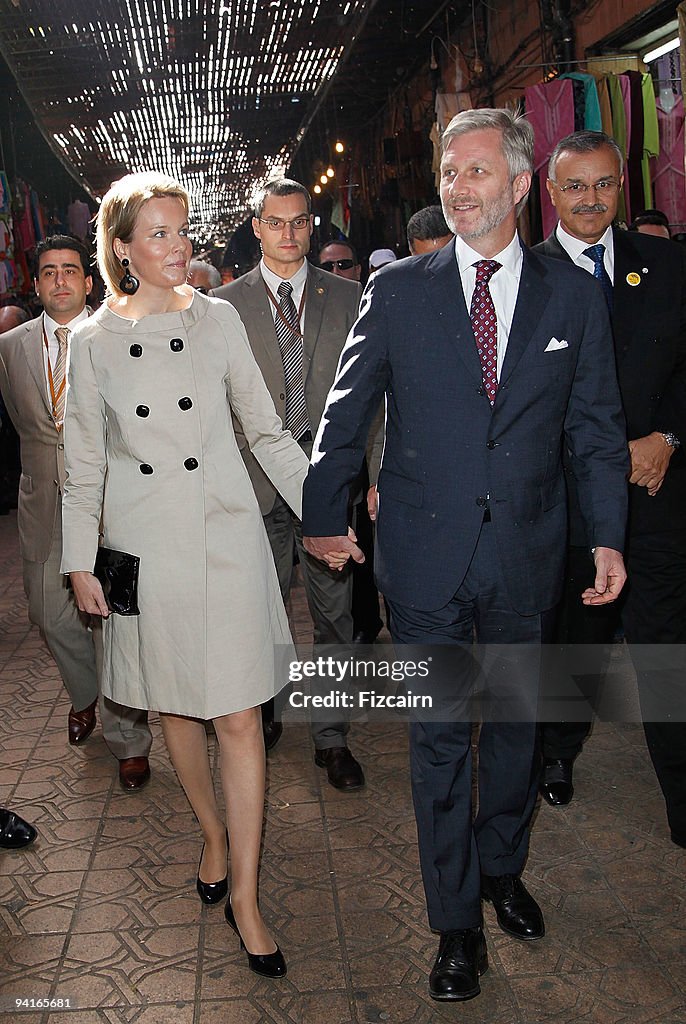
489,357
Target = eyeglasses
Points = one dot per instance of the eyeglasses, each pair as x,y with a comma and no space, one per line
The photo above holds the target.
276,224
341,264
578,188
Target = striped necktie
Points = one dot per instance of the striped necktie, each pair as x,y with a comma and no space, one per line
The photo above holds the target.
596,253
290,343
485,325
59,383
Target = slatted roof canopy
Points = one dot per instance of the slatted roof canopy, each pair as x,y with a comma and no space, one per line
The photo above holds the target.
214,92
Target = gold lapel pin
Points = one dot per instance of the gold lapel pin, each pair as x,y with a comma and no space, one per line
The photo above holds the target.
633,279
319,291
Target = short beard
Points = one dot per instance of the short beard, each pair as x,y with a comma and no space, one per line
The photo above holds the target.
493,214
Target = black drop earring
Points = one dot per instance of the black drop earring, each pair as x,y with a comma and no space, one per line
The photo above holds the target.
128,284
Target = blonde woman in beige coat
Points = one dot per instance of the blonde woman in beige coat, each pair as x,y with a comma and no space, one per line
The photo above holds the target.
150,450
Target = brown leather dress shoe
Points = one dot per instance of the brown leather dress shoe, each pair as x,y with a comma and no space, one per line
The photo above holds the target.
81,723
134,772
343,771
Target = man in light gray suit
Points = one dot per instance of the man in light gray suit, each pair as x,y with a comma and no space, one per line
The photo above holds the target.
32,382
297,318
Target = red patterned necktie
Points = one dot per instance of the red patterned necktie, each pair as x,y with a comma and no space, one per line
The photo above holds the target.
485,325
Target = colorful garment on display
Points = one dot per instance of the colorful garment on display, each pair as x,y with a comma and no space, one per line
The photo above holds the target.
550,111
591,110
651,139
669,175
619,131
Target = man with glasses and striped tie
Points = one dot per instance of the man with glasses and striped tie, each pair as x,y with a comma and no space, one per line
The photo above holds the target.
33,367
297,318
643,280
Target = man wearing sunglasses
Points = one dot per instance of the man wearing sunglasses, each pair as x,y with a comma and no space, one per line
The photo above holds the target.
297,318
341,259
643,280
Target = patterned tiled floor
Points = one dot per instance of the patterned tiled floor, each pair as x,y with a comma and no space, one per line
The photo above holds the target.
102,909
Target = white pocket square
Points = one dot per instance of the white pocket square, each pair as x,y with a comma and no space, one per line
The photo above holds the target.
554,345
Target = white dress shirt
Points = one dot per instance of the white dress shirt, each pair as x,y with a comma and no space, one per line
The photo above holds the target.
574,247
297,282
504,285
50,326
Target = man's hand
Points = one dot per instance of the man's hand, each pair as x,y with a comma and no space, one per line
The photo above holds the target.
650,457
88,594
372,502
335,551
610,577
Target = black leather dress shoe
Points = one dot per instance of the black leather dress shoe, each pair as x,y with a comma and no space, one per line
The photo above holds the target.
14,831
80,724
212,892
269,965
556,781
517,911
343,771
461,959
271,731
134,772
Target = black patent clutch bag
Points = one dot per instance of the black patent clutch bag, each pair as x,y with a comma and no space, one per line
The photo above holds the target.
118,574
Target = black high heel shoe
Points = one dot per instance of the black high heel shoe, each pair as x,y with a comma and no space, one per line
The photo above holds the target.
269,965
212,892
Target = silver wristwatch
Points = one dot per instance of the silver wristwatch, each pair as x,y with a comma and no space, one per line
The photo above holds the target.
671,439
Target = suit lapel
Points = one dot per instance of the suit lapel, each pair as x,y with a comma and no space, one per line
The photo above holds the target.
532,298
260,325
33,350
315,301
552,247
628,300
445,291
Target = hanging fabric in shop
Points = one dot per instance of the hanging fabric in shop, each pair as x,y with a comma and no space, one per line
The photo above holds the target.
619,130
5,194
631,84
37,215
78,218
651,139
669,176
550,111
23,222
605,105
591,118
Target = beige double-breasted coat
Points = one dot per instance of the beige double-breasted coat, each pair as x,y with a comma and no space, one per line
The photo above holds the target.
149,446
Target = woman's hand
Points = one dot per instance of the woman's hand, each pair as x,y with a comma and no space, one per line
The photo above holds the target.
88,594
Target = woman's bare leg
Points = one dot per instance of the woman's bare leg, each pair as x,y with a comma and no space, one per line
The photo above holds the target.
242,760
186,741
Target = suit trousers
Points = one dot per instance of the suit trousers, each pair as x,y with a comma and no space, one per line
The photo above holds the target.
653,612
329,599
454,846
77,650
578,624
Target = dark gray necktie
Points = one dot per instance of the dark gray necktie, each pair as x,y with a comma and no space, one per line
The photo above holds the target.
291,346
